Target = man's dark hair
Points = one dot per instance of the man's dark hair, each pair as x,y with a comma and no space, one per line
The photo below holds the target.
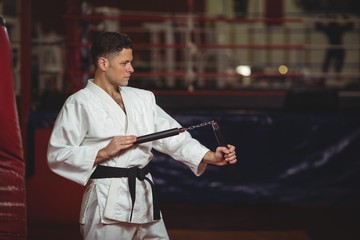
109,43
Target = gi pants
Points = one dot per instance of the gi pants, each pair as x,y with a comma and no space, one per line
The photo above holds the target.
94,229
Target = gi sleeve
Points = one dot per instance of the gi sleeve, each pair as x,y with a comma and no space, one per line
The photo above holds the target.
182,147
66,157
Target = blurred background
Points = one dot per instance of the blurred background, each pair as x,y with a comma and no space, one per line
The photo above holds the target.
282,79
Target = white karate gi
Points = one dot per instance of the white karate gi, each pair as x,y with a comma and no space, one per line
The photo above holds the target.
86,124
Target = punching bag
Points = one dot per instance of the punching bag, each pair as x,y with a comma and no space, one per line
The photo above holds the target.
12,165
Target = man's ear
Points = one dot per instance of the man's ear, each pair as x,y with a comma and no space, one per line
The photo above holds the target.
102,63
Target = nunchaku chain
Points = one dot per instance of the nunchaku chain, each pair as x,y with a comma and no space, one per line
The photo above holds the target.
200,125
216,129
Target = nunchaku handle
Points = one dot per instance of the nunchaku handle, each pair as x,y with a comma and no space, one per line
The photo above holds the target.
218,134
233,171
175,131
159,135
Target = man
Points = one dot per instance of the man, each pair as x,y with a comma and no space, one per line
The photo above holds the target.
93,144
335,53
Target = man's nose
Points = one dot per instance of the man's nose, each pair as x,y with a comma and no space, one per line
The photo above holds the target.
131,69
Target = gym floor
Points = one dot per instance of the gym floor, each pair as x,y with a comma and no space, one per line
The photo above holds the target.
230,222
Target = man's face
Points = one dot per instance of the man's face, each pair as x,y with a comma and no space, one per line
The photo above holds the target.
119,68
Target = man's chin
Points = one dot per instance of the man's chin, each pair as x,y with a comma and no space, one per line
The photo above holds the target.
124,84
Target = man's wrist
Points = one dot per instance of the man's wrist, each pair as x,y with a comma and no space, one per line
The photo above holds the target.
101,156
209,157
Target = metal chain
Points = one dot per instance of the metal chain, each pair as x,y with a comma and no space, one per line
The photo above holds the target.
200,125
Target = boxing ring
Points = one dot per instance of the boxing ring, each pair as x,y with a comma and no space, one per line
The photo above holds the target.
192,52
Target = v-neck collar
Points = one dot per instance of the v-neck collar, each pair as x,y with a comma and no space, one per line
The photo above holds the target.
113,106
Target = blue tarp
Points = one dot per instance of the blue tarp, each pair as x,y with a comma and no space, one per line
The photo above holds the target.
283,157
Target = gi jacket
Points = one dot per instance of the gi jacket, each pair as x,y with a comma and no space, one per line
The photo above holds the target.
87,122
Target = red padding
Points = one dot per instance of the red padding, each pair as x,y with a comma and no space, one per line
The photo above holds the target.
12,166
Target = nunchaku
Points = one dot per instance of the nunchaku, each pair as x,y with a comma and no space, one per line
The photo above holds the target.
177,131
233,171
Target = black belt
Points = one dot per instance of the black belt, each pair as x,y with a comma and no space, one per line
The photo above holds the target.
131,173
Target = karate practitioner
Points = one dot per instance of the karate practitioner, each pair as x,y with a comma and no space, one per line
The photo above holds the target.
92,143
